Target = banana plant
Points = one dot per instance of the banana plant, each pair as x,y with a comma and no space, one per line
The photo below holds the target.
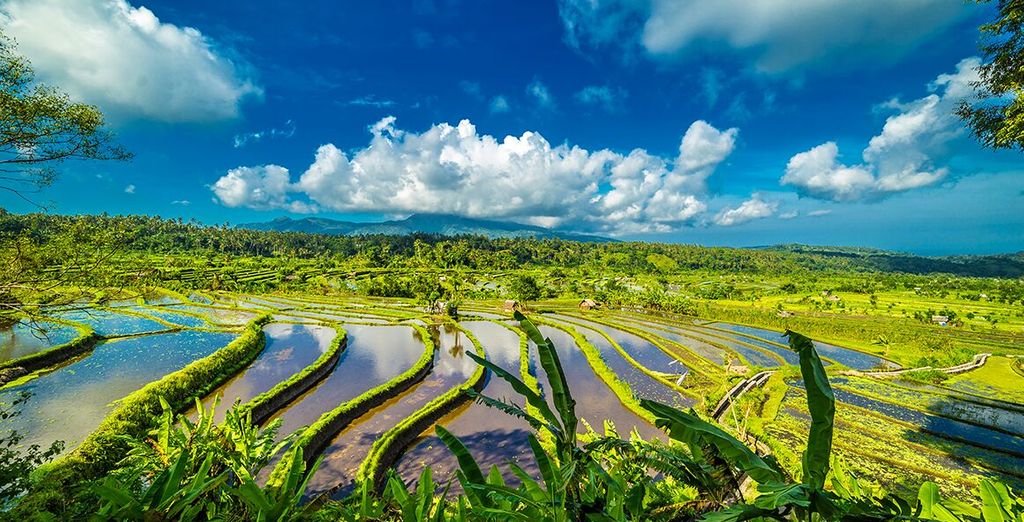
279,502
779,497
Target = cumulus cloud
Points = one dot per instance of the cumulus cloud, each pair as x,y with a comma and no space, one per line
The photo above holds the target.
749,210
602,96
455,169
130,189
126,60
181,202
780,35
900,157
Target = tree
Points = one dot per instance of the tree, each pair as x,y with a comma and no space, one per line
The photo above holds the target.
525,288
996,117
40,127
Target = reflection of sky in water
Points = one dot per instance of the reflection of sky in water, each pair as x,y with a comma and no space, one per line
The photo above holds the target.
851,358
643,352
705,350
595,401
289,349
69,403
108,323
23,338
217,315
451,360
172,317
375,354
500,343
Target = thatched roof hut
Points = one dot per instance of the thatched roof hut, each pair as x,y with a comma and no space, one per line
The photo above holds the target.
589,304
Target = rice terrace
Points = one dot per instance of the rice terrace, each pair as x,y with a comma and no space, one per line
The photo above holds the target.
624,323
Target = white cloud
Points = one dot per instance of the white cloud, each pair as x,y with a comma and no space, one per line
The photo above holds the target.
540,93
454,169
603,96
244,139
780,34
900,158
125,60
789,214
181,202
749,210
499,104
371,101
130,189
819,213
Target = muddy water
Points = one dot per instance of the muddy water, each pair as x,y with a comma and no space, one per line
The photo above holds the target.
643,352
348,449
595,401
109,323
28,337
493,438
289,349
375,355
70,402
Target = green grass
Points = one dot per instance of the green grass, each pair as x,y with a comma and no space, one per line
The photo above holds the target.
996,379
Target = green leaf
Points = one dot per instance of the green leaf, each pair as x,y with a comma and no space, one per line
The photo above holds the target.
521,388
822,405
560,393
690,429
466,461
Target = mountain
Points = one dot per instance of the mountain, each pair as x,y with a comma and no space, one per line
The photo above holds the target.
996,265
444,224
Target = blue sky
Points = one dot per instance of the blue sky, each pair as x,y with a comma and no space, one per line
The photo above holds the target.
730,122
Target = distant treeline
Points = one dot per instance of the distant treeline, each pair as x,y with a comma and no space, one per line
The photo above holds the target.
154,235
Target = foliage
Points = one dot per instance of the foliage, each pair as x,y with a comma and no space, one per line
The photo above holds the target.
16,465
198,470
997,117
41,127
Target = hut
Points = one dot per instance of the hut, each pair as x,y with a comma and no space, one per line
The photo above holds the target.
589,304
511,305
785,313
941,320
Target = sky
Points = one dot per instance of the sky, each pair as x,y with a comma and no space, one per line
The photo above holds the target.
732,122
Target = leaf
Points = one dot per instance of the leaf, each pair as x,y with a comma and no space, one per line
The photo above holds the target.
931,504
521,388
994,500
689,429
466,461
560,393
822,405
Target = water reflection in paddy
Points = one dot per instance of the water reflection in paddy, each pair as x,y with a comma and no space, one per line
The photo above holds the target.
28,337
348,449
375,355
70,402
493,437
225,316
109,323
595,401
643,352
289,349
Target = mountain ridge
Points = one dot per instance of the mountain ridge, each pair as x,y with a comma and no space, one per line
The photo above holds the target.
443,224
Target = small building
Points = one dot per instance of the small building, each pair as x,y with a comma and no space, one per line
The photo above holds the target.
589,304
983,296
786,313
511,305
737,369
834,298
941,320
